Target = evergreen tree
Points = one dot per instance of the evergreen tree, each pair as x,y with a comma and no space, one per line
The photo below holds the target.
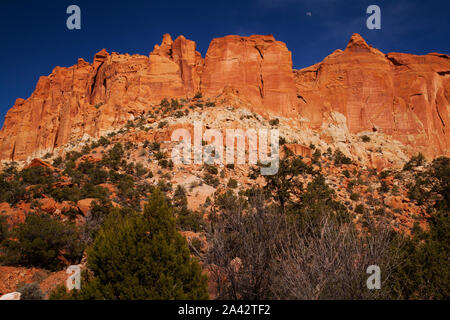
3,229
143,257
425,271
42,241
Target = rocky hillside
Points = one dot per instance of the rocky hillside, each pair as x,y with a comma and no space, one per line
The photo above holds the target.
64,198
398,100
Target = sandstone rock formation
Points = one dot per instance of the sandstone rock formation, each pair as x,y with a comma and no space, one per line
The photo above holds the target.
400,95
94,98
258,67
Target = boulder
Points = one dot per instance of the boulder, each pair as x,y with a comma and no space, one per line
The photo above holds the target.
11,296
84,205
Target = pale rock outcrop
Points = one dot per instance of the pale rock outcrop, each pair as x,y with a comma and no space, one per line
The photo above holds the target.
11,296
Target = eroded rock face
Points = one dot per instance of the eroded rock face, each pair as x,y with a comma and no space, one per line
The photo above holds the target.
401,95
258,67
95,98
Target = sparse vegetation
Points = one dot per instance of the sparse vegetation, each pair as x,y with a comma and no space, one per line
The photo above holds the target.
415,161
39,241
198,95
258,232
274,122
31,291
340,158
232,183
365,138
146,254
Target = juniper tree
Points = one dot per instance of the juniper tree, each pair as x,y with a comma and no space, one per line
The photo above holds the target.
139,256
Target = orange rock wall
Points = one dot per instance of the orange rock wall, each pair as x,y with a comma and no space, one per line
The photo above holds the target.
94,98
402,95
258,67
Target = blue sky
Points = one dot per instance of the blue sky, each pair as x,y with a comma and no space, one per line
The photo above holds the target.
35,39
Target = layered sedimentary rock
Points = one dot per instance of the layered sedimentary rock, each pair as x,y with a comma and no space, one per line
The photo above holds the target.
94,98
258,67
400,95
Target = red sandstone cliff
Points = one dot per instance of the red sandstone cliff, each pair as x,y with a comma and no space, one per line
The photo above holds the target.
402,95
258,67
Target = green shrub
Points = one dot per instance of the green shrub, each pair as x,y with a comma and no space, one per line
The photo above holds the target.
384,187
99,211
232,183
140,170
86,149
316,156
198,95
359,208
92,191
164,186
174,104
147,258
155,146
190,221
66,194
162,124
73,156
211,169
179,197
61,293
196,245
384,174
58,161
160,155
103,142
129,145
36,175
274,122
346,173
354,196
211,180
415,161
114,157
3,229
71,213
165,103
40,241
31,291
340,158
11,191
179,114
164,163
425,269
